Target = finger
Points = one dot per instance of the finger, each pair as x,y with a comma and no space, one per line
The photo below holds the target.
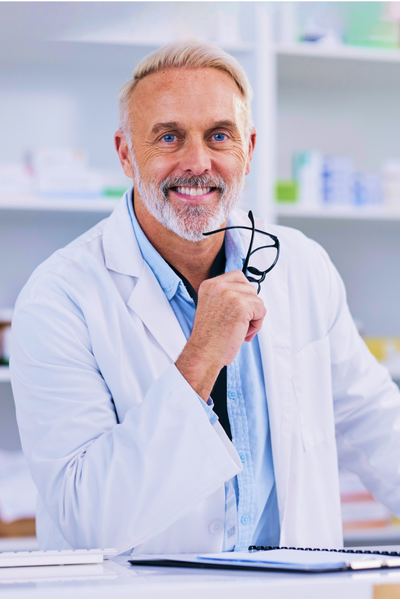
255,324
234,276
220,285
254,328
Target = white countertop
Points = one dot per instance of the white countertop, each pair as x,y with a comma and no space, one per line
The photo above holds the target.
117,579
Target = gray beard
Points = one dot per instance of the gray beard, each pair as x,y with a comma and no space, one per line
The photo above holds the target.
188,222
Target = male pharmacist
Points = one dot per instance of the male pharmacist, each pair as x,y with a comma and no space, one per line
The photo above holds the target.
164,405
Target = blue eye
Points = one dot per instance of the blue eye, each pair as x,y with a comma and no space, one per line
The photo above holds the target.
169,138
219,136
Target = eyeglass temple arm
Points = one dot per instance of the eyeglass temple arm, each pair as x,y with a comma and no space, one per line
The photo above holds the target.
242,227
246,262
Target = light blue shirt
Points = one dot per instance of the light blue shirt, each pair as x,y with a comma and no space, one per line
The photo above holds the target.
258,518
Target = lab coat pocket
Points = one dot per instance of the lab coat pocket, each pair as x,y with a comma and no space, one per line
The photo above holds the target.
312,384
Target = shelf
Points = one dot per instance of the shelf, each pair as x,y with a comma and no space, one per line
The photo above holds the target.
338,52
26,202
19,544
4,374
339,212
317,67
373,536
118,57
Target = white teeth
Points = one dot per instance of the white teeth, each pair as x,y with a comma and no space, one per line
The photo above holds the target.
193,191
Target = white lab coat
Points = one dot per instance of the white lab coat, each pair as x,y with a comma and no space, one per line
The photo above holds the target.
92,324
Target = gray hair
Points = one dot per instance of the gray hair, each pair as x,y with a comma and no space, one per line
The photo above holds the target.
189,54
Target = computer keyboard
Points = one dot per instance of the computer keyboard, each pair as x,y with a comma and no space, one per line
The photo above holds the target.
10,559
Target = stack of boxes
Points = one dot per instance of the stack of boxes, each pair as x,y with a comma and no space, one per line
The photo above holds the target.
322,180
60,173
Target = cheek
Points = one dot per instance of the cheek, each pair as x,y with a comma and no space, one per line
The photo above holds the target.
152,161
235,160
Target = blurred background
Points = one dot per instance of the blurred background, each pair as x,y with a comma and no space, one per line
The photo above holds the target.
326,80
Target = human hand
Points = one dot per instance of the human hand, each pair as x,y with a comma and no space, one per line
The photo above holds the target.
229,311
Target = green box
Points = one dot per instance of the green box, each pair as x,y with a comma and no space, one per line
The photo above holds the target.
286,192
366,25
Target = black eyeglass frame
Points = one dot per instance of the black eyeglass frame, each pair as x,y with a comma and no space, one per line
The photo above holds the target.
254,271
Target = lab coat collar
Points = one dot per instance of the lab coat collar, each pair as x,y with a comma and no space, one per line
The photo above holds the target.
121,250
123,255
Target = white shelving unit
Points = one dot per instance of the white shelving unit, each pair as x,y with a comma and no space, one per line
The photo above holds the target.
26,202
343,100
338,52
371,213
389,535
337,99
61,69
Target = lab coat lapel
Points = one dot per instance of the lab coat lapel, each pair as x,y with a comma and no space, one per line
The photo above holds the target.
275,348
122,254
121,251
149,302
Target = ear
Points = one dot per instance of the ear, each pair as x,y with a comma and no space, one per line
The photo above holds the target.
250,149
124,153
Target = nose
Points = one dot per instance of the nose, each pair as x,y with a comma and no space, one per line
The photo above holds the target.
195,158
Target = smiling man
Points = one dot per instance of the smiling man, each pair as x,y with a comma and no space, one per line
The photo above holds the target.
164,405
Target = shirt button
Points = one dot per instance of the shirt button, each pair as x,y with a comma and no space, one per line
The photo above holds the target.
232,395
245,519
242,457
216,527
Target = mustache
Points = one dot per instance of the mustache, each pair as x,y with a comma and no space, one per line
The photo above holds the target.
193,181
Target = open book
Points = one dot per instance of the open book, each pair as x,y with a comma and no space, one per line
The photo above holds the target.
277,559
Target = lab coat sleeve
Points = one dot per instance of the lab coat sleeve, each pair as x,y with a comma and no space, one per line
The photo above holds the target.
106,484
366,402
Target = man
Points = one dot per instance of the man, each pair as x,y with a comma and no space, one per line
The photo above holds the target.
165,406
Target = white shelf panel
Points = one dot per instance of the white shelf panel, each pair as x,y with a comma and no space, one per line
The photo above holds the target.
25,202
19,544
237,46
394,372
118,56
4,374
339,212
387,533
338,52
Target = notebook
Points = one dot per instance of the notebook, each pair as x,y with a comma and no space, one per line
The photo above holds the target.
282,559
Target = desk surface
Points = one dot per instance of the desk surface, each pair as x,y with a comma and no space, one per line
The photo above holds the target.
119,580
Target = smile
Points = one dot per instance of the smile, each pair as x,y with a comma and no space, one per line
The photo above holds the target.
193,191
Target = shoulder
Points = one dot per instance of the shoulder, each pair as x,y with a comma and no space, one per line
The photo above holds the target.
66,264
86,265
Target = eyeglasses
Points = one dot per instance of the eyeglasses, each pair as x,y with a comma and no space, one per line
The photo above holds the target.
273,257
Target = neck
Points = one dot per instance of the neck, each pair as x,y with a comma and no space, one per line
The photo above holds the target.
192,259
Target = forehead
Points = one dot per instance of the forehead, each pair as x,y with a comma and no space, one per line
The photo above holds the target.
192,97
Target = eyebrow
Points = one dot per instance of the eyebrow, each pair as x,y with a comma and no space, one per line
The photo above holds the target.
174,125
224,124
164,126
